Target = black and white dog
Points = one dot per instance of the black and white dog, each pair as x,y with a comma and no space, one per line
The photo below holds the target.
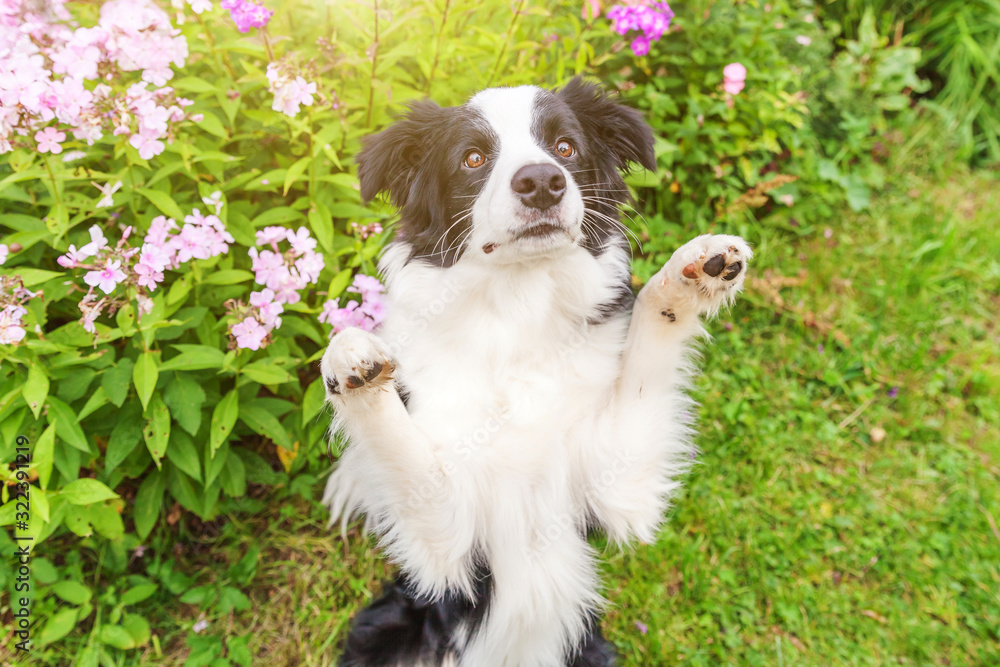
517,395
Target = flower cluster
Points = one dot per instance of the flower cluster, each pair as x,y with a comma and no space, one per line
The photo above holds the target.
165,246
364,231
734,78
289,91
246,14
365,315
652,19
282,273
45,62
13,296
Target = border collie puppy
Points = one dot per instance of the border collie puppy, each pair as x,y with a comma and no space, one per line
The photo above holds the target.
517,395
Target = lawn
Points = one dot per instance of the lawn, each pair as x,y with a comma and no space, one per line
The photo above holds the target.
846,507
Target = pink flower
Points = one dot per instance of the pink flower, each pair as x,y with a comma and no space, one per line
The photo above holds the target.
199,6
591,9
310,266
269,267
147,146
268,308
272,235
640,45
734,75
107,278
97,243
11,330
301,241
107,190
249,334
4,251
366,286
49,140
804,40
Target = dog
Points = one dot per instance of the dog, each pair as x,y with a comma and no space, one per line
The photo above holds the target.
517,395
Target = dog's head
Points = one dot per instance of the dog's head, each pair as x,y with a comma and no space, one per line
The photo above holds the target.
514,173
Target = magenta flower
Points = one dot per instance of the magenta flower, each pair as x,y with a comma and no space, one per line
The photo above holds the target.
734,78
652,19
246,14
107,278
49,140
249,334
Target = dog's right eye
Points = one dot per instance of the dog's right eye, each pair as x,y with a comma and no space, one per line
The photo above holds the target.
474,159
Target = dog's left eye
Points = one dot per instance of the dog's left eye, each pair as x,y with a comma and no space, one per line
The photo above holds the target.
565,148
474,159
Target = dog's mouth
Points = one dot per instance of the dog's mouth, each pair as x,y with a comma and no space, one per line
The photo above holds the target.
539,231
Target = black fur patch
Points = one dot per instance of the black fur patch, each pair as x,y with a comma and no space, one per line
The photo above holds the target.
619,304
401,628
418,162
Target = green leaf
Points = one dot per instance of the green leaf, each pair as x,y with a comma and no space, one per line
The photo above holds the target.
124,437
266,372
138,627
144,375
32,277
157,431
85,491
106,521
213,463
264,423
184,396
313,401
138,593
339,283
58,626
43,455
115,380
117,636
234,482
183,454
322,226
162,201
223,419
277,215
125,319
194,358
229,277
71,591
148,501
36,389
295,171
67,427
96,401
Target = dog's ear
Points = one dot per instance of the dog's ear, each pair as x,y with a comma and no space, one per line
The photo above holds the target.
389,160
616,127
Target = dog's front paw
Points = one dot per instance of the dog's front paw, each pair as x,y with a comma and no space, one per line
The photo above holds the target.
703,274
356,361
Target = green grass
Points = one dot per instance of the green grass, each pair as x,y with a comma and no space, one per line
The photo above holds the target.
830,521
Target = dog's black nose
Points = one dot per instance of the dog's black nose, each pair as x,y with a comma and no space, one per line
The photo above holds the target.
539,186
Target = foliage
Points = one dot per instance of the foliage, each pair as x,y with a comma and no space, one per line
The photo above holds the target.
959,41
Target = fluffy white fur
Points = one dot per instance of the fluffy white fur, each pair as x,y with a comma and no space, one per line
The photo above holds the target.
538,421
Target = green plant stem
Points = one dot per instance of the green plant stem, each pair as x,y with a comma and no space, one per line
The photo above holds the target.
267,44
437,46
503,49
371,84
223,60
